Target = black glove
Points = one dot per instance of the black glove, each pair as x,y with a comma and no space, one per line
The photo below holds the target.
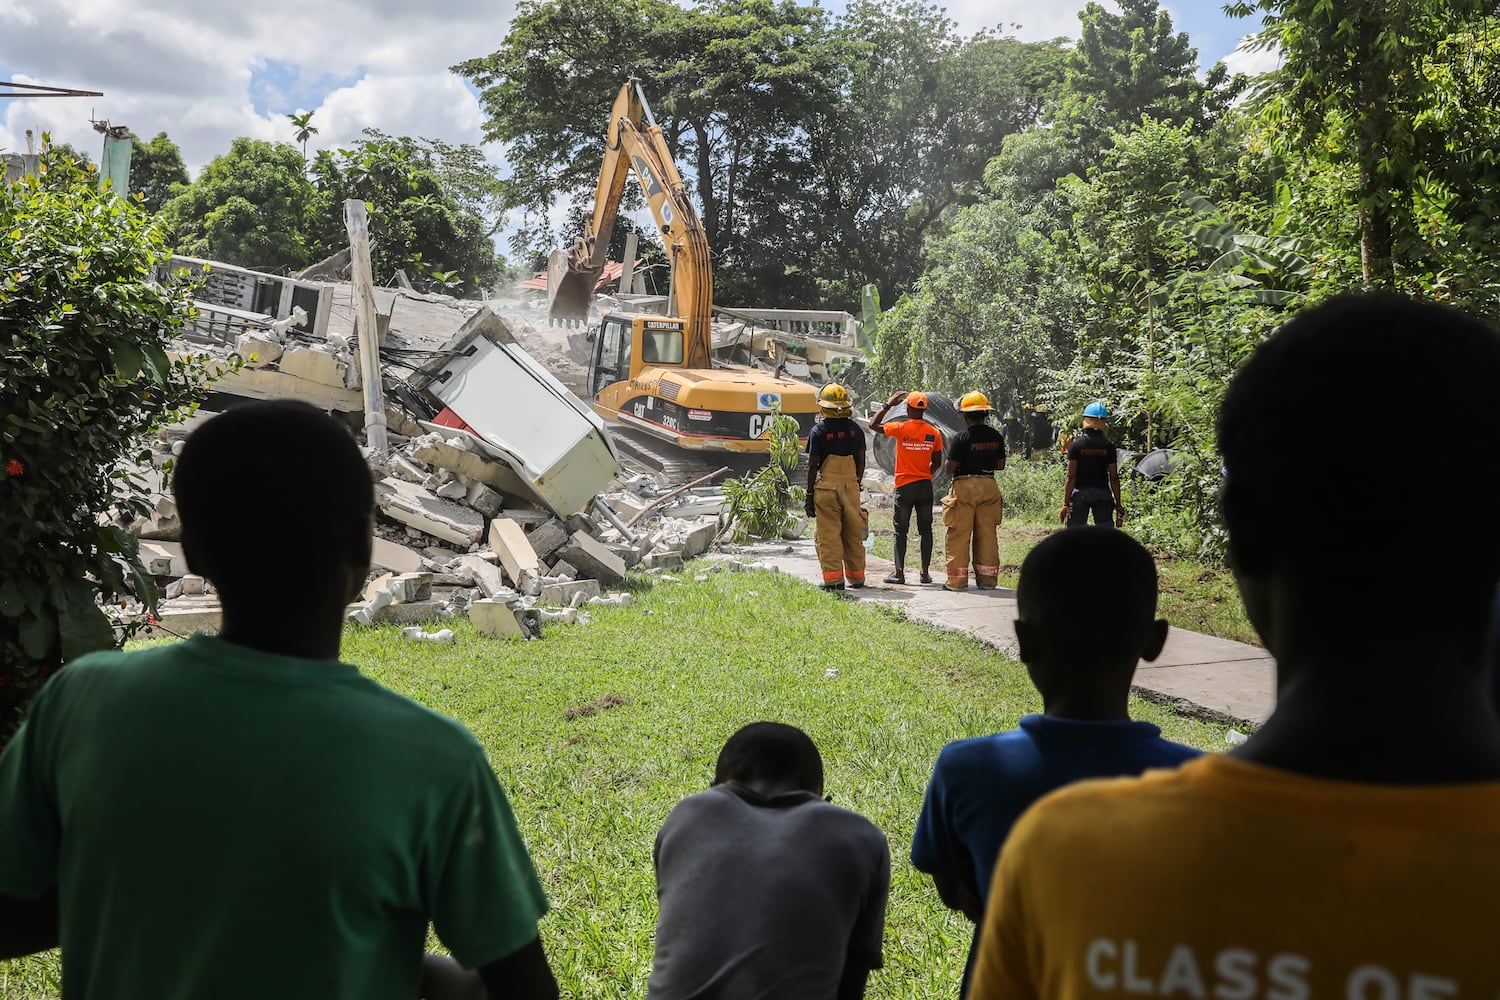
811,508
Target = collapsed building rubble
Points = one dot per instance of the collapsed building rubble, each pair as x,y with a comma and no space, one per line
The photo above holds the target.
501,497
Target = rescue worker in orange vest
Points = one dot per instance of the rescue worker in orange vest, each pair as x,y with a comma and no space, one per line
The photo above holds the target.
835,467
919,454
973,508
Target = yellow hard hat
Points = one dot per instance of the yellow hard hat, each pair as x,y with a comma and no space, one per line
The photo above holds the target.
833,400
974,402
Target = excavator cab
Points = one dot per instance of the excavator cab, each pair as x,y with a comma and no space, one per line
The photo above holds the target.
626,345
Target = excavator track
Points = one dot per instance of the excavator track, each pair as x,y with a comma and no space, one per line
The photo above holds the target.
676,466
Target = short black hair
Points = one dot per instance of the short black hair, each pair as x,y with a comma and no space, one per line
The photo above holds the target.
278,472
1091,592
1350,434
771,751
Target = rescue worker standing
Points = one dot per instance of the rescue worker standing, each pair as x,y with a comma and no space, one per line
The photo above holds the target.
973,508
1093,474
835,467
919,453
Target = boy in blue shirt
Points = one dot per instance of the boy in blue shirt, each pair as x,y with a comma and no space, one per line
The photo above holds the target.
1082,657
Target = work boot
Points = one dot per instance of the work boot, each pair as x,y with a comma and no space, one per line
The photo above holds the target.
898,576
926,577
856,584
834,586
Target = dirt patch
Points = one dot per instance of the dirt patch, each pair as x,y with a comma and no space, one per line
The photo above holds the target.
600,704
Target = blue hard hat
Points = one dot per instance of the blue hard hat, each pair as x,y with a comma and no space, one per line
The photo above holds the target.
1096,410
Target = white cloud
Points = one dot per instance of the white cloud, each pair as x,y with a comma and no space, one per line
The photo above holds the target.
1252,63
1037,20
208,71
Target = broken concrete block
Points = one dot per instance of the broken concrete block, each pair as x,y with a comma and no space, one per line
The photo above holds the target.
163,558
495,618
194,584
593,559
415,634
584,523
315,366
173,589
486,575
620,600
257,350
395,557
547,538
375,603
416,508
409,587
508,540
452,490
454,454
530,583
375,586
564,594
415,613
482,498
694,537
563,569
665,559
627,553
161,524
399,467
563,616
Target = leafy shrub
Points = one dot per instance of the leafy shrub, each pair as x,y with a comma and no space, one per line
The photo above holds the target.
1179,515
84,377
758,502
1033,488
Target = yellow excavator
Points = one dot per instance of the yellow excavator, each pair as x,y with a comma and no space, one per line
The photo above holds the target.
654,374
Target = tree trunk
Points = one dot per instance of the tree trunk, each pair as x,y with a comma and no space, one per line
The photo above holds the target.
706,199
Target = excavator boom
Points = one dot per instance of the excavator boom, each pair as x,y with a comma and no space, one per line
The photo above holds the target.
634,142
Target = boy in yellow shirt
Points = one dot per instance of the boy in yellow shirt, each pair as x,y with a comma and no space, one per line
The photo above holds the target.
1350,849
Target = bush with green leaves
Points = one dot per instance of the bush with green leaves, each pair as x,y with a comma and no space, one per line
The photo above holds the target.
1033,488
758,503
84,378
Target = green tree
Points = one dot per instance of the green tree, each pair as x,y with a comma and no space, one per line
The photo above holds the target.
84,377
416,222
821,152
1357,84
924,111
156,167
249,207
303,129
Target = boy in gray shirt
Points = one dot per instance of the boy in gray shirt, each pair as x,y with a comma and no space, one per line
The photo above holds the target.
765,890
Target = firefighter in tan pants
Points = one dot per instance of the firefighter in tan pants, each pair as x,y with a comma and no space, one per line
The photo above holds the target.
836,464
972,509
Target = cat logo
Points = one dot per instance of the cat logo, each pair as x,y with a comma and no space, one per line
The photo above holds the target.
767,401
761,424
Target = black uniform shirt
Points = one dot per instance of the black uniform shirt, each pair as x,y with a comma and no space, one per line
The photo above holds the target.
1094,454
979,450
835,436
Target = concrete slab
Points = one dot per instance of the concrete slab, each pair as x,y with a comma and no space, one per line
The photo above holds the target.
1199,674
508,541
415,507
395,557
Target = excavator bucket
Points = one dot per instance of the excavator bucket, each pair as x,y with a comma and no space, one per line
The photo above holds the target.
570,289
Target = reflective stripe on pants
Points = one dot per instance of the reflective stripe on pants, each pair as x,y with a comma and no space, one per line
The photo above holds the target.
972,512
841,523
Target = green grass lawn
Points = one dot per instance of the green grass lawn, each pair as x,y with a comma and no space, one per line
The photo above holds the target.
689,663
1194,596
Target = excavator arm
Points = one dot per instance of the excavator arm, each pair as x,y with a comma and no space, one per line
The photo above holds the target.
635,142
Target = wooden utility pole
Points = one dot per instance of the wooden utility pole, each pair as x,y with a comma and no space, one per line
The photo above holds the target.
362,273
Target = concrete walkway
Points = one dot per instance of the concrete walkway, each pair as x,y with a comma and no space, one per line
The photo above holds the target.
1199,674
